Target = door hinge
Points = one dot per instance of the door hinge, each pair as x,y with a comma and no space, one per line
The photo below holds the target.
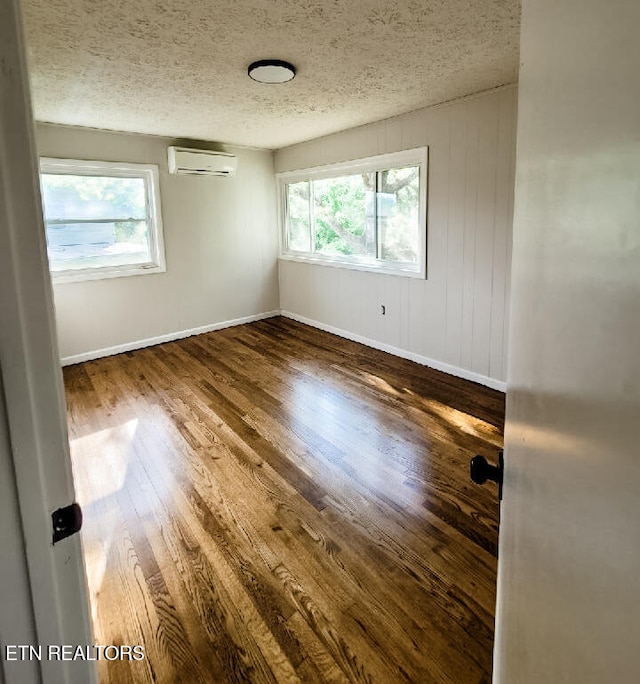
66,521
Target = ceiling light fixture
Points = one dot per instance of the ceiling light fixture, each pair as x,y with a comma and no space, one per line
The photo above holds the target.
271,71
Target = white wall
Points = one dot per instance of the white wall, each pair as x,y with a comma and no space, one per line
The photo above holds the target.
455,319
569,561
221,247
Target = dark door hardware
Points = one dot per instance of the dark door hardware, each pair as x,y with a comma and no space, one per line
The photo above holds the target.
66,521
481,470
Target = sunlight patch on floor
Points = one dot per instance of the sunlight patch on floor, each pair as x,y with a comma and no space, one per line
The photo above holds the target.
104,457
101,461
380,384
464,422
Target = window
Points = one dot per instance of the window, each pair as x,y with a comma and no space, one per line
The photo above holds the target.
102,219
369,214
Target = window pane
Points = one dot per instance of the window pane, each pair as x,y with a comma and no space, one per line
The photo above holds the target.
93,197
95,221
298,209
399,214
345,216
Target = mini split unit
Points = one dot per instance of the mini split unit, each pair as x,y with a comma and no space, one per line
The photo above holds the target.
186,161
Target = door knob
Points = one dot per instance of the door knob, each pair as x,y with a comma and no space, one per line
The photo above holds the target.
481,470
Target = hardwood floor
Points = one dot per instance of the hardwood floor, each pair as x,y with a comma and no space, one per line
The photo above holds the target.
271,503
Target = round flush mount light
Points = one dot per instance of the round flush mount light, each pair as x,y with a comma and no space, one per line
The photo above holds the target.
271,71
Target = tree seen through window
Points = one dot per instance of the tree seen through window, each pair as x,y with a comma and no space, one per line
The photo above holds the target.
373,214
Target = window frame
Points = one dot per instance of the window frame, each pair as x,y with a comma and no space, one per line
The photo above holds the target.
150,174
413,157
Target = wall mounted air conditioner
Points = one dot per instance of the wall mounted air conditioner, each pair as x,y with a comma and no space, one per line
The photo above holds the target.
183,160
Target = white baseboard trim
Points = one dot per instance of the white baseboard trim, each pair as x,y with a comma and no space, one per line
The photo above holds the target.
168,337
403,353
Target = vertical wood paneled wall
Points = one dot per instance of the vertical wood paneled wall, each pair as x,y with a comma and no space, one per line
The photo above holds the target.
456,319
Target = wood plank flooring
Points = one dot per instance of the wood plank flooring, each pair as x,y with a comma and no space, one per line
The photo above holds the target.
271,503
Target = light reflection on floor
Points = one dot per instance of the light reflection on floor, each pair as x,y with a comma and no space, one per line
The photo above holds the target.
350,423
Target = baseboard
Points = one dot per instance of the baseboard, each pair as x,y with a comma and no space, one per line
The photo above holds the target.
402,353
168,337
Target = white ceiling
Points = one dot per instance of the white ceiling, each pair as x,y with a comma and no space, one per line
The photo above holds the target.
178,68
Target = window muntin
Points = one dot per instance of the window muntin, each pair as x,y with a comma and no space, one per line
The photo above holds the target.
369,214
102,219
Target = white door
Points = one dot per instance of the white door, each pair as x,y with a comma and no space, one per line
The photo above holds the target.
34,451
16,617
569,558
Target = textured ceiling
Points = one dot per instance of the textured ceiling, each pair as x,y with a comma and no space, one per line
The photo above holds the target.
178,68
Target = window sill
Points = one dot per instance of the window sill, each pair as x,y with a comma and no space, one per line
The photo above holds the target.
382,269
59,277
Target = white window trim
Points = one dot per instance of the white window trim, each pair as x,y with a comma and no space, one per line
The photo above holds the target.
150,173
414,157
